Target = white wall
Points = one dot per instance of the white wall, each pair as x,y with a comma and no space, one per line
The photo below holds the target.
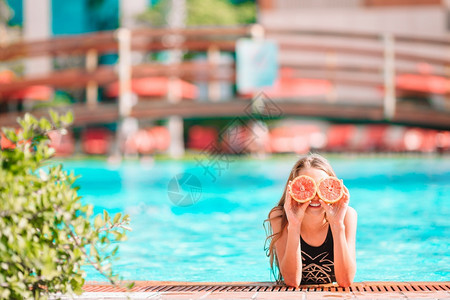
129,9
36,26
420,20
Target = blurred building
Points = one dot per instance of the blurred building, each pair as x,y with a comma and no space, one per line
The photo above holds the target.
330,53
421,17
332,38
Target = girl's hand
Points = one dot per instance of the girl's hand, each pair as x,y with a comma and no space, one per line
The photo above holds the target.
294,210
335,212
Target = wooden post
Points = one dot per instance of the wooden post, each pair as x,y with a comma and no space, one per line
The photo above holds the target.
257,34
92,86
124,39
176,19
213,64
123,36
389,76
129,9
36,26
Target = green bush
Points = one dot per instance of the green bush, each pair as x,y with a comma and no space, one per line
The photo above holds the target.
203,13
46,234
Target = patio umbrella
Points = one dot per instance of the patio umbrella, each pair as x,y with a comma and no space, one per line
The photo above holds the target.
6,76
291,87
423,83
34,92
288,86
154,87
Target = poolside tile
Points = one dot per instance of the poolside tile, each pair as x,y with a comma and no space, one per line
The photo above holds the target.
428,295
379,295
231,295
280,295
178,295
266,290
329,295
107,296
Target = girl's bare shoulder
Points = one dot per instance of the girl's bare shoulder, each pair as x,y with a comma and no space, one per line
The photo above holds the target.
276,212
351,215
351,211
275,218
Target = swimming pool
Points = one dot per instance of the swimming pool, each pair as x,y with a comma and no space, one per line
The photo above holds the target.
402,204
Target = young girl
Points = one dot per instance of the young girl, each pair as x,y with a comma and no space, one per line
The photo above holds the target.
313,242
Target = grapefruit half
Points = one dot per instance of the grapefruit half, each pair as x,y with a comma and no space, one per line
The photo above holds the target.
303,188
330,189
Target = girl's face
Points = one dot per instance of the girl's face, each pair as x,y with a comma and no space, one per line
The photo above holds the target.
316,174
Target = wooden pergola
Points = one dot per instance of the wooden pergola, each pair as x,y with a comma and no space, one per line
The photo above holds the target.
385,108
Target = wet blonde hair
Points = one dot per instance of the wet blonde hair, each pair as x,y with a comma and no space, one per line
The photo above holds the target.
315,161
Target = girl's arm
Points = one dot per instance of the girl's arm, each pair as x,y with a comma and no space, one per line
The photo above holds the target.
344,236
287,246
342,219
288,251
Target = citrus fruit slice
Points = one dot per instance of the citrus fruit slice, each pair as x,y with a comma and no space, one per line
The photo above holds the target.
330,189
303,188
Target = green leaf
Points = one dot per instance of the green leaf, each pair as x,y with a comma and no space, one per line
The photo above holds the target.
46,231
114,252
106,216
45,124
10,135
29,119
54,116
117,218
98,222
67,118
126,219
131,285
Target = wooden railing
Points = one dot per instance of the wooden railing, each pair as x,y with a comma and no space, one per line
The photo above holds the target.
384,59
142,40
388,55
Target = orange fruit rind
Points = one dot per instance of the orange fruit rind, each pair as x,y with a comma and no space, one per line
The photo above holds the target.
307,187
328,186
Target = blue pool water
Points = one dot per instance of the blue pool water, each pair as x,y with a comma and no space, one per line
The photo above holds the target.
402,204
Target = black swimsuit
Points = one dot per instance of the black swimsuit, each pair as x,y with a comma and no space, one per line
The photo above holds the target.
318,262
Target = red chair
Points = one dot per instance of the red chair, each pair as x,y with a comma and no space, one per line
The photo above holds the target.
443,141
394,138
339,137
295,138
96,141
202,138
373,138
144,141
236,140
161,137
429,142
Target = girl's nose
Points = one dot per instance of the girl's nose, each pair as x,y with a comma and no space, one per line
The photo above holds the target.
316,197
